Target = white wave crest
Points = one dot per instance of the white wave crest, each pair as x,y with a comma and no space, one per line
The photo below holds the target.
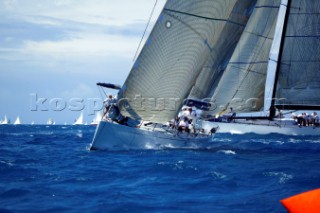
227,152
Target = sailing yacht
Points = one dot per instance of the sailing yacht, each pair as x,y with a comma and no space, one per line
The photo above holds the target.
258,57
17,121
273,74
50,121
97,119
79,120
5,120
187,42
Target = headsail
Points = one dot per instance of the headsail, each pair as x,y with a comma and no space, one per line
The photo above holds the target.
221,50
242,84
173,56
298,85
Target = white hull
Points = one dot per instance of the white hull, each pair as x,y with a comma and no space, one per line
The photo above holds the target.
284,127
112,136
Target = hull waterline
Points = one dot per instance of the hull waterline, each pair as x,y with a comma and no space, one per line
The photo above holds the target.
112,136
283,128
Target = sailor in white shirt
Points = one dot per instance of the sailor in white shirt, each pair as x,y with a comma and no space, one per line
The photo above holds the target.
108,103
184,125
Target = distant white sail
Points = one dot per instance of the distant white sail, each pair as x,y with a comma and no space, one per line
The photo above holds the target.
79,121
50,121
5,121
17,121
97,118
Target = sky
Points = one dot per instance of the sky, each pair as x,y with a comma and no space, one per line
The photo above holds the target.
53,52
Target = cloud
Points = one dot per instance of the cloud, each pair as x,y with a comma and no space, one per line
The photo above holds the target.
59,47
80,91
82,46
9,4
74,30
100,12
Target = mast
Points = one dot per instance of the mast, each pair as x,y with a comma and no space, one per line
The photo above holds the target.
275,57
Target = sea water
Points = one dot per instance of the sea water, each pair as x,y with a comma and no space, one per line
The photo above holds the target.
50,169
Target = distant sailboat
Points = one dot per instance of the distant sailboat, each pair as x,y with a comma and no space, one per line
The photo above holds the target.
5,121
17,122
97,119
50,121
79,121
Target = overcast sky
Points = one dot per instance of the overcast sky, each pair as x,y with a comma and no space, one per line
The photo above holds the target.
56,50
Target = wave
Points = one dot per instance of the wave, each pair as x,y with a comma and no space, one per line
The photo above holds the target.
281,176
227,152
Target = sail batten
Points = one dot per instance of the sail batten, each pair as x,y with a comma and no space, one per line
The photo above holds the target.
207,18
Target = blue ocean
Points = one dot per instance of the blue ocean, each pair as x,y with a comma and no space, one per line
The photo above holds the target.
50,169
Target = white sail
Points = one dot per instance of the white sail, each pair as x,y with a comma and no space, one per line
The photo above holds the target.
222,48
175,53
79,120
97,118
219,48
242,84
50,121
17,121
5,120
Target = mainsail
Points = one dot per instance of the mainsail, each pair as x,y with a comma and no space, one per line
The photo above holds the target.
298,85
242,84
176,51
79,120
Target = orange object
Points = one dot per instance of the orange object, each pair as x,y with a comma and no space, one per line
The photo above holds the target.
306,202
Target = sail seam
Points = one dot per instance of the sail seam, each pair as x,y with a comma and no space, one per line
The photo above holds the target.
204,17
255,62
258,35
266,6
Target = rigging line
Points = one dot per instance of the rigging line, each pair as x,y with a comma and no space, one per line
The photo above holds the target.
204,17
103,96
145,30
100,91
